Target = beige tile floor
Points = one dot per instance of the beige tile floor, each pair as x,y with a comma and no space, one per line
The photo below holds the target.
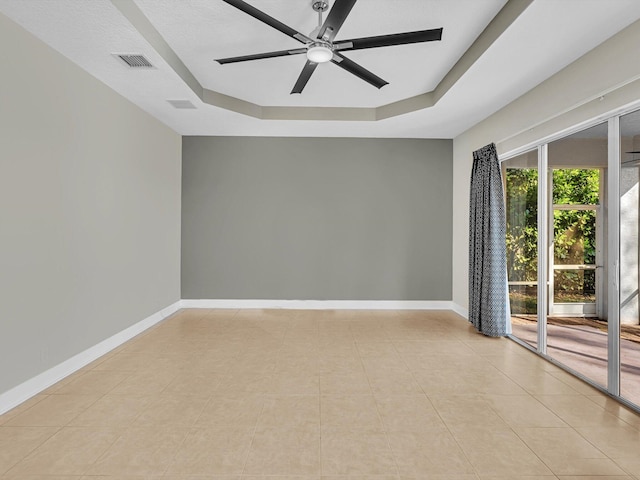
300,395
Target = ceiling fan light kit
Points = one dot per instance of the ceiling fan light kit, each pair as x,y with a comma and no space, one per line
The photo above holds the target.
319,52
320,44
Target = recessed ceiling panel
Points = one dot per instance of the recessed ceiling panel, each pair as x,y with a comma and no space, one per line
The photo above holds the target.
201,30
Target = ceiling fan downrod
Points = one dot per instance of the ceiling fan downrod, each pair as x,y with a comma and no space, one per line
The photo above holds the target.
320,6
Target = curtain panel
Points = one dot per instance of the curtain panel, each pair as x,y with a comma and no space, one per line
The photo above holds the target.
488,289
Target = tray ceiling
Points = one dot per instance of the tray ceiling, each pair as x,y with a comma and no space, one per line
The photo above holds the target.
472,76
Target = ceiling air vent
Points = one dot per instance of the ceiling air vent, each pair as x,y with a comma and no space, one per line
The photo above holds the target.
135,60
181,104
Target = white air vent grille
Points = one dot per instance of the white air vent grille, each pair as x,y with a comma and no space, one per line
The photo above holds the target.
181,104
135,60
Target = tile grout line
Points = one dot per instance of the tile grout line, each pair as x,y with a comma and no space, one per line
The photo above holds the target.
255,427
253,436
6,472
384,429
475,471
567,425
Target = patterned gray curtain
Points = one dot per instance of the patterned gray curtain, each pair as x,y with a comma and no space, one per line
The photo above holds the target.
488,289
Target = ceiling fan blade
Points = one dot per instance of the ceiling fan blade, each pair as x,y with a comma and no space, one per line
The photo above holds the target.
264,18
304,77
389,40
361,72
335,19
259,56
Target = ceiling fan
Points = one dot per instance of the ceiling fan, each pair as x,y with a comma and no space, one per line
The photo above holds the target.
320,44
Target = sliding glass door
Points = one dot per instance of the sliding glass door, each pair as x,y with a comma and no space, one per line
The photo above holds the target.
573,252
576,326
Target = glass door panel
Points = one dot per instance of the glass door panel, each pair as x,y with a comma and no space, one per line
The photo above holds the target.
576,327
520,176
629,333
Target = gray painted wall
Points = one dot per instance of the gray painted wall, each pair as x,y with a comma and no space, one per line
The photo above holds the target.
313,218
89,210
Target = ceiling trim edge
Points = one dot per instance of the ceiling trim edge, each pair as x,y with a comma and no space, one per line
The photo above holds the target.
498,25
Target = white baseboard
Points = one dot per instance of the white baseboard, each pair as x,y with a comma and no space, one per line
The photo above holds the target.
463,312
37,384
323,304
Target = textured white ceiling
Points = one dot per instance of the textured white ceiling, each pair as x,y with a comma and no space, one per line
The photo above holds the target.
546,37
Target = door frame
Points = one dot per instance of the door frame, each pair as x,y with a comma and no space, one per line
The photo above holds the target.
577,309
